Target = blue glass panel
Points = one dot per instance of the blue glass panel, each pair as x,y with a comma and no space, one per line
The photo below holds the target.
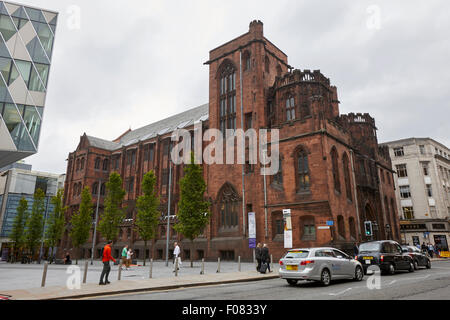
4,93
35,14
7,27
3,9
3,49
36,51
20,13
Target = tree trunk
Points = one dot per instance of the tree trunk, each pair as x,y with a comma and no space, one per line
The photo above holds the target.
192,253
145,251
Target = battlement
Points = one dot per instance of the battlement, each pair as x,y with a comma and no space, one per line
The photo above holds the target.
306,75
358,118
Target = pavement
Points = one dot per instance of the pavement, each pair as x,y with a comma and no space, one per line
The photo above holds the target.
22,282
135,280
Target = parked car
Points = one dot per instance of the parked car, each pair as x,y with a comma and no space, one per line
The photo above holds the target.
386,254
319,264
419,258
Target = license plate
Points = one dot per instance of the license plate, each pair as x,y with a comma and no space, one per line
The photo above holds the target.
367,258
368,261
291,267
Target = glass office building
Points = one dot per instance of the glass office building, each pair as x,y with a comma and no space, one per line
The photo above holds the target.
26,44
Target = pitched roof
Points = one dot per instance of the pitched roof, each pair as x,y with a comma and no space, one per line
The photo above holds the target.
178,121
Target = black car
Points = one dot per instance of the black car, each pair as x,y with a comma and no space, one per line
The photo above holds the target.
419,258
386,254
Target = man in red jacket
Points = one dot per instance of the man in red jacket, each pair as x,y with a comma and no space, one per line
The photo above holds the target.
106,266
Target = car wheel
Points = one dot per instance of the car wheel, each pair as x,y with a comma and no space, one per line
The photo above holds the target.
325,277
359,273
416,265
428,264
292,282
391,270
411,267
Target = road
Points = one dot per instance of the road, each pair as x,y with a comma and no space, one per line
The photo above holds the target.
422,284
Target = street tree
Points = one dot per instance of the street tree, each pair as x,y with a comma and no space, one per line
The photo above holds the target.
147,217
35,222
56,222
18,229
113,213
193,209
81,222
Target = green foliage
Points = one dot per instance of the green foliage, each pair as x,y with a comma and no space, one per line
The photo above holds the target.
113,213
81,221
147,218
193,210
35,222
56,221
17,234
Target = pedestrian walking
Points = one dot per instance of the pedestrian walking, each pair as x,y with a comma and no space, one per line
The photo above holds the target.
176,255
106,266
265,259
258,256
356,249
430,250
124,256
129,254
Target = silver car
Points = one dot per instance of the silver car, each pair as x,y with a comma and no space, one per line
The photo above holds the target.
319,264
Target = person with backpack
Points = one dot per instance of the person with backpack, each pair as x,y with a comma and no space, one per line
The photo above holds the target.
265,259
106,257
258,256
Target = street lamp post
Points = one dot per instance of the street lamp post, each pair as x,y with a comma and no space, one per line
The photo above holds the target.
95,222
168,214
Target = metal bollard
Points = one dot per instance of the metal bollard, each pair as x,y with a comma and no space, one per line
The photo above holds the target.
176,266
151,267
120,270
44,275
218,265
203,266
85,271
271,263
239,263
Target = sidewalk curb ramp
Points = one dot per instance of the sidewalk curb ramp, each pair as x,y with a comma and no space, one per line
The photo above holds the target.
136,286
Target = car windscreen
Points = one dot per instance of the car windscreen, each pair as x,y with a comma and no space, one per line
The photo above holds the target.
370,246
296,254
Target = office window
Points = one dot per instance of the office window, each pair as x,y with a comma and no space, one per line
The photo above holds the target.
398,152
401,170
425,168
422,149
405,192
429,190
408,213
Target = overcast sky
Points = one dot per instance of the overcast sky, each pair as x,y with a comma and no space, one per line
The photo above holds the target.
125,64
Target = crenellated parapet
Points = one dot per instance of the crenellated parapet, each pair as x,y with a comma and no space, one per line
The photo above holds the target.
297,76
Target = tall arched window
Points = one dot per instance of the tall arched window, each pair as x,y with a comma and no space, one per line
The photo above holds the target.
278,177
82,164
348,187
97,163
335,169
95,188
352,226
103,189
303,178
78,165
228,201
266,64
227,100
290,108
246,60
341,227
105,165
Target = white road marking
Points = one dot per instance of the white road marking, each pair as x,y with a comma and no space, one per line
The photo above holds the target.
338,293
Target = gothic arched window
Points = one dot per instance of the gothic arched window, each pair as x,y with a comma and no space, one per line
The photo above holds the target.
335,169
290,108
97,163
303,177
348,188
228,201
227,100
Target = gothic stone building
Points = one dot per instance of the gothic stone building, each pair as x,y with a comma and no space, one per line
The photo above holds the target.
331,167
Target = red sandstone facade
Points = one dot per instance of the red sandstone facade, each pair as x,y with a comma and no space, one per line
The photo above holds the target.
331,165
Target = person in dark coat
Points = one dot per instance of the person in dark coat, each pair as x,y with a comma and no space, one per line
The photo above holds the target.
265,256
258,256
356,249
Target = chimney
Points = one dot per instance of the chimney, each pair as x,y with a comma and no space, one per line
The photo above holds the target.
256,29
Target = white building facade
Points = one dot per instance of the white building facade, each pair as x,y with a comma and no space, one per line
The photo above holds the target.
422,187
